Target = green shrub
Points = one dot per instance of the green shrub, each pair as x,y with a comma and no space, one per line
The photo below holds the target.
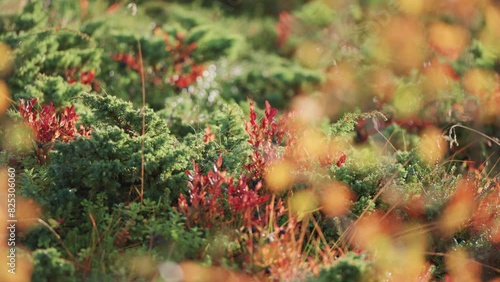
42,72
349,268
110,161
49,266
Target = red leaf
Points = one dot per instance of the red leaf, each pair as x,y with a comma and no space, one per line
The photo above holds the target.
341,160
48,126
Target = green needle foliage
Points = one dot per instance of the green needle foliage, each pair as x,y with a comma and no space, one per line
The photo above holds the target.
110,161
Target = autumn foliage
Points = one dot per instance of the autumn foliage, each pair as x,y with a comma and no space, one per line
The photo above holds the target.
50,126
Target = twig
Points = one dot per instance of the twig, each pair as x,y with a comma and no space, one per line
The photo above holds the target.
453,140
41,221
143,119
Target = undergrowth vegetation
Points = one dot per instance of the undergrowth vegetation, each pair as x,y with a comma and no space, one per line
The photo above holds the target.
250,140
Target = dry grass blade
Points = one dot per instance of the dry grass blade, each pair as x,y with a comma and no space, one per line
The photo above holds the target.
74,260
143,112
453,140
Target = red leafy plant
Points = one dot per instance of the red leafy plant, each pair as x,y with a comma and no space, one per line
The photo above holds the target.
184,71
211,194
128,60
275,139
209,135
49,126
284,27
85,77
216,199
182,79
264,137
243,201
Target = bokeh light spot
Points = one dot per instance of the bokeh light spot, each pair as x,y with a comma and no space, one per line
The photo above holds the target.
4,97
309,54
303,203
278,176
6,60
17,137
432,146
308,109
336,199
448,40
407,101
461,268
